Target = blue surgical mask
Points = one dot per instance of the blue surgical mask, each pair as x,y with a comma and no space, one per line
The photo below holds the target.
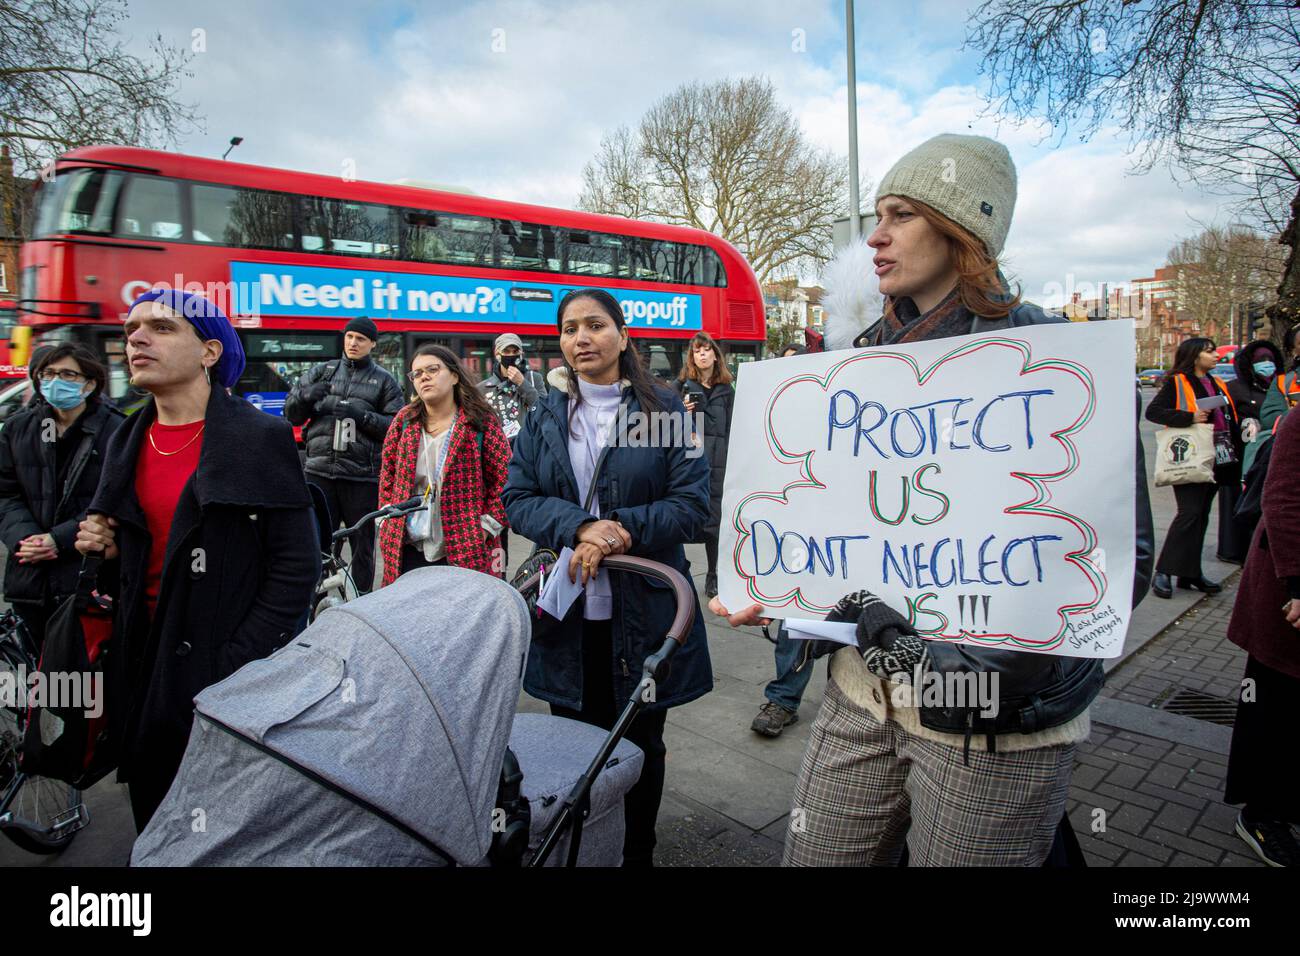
1264,369
62,395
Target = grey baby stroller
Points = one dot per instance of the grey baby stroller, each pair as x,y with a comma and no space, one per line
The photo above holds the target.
378,737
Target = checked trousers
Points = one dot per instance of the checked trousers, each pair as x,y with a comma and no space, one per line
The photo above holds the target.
866,787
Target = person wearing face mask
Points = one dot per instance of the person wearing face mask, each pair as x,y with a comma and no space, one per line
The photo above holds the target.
1256,365
50,458
513,388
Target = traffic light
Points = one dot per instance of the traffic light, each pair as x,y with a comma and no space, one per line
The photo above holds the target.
1254,319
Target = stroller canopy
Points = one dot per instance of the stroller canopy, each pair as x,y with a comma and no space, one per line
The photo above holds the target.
402,699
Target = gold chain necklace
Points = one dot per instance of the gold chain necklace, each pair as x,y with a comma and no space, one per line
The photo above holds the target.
168,454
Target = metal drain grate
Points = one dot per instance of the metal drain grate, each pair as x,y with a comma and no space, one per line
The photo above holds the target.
1194,704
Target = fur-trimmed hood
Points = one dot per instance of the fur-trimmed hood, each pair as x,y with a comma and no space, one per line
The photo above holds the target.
852,299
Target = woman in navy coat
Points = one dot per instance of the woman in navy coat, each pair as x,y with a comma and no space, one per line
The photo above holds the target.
650,498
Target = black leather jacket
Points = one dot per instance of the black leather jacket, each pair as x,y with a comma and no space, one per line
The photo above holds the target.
360,390
1037,691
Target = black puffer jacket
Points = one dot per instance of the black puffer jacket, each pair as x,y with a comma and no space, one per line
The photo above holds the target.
33,500
357,389
718,401
1248,390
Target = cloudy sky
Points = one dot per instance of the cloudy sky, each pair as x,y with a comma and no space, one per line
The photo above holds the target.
510,98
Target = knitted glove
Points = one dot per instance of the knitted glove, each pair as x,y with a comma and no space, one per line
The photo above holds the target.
314,393
889,646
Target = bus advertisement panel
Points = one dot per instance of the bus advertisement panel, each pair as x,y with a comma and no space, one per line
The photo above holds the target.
327,292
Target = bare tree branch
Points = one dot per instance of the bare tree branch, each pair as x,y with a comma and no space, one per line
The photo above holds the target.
1208,87
725,157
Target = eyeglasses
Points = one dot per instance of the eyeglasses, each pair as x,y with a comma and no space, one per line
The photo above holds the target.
63,374
429,371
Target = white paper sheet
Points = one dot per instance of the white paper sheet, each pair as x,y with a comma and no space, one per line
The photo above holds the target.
802,629
559,593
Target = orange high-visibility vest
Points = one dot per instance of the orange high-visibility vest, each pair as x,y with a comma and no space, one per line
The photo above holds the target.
1186,398
1292,395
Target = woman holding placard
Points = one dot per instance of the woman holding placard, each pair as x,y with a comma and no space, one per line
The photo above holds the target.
1191,395
885,770
580,480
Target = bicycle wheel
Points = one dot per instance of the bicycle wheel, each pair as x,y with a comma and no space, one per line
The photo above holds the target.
37,814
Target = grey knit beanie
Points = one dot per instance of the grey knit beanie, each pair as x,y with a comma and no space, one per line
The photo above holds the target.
969,179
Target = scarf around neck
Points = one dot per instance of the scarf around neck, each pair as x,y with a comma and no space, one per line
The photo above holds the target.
904,323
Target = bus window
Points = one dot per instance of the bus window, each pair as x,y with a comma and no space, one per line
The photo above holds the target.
663,359
246,218
593,253
388,353
151,208
688,267
356,229
48,200
476,357
119,376
211,209
79,201
441,237
651,259
714,272
469,239
524,245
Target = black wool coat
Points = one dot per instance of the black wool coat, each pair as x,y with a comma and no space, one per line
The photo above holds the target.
33,499
716,409
240,570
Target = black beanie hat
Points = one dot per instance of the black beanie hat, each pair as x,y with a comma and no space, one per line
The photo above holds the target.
364,326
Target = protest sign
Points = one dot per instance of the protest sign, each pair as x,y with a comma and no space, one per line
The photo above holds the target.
981,485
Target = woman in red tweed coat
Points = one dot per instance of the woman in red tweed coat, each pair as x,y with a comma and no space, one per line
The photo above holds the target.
450,431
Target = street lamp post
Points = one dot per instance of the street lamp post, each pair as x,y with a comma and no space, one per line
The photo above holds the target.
855,224
234,141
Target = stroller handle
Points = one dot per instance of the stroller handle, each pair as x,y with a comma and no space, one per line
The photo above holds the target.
683,593
388,511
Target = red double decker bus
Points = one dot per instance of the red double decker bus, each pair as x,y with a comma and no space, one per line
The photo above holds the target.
293,256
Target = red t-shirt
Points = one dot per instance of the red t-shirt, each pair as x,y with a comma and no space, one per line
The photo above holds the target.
160,474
